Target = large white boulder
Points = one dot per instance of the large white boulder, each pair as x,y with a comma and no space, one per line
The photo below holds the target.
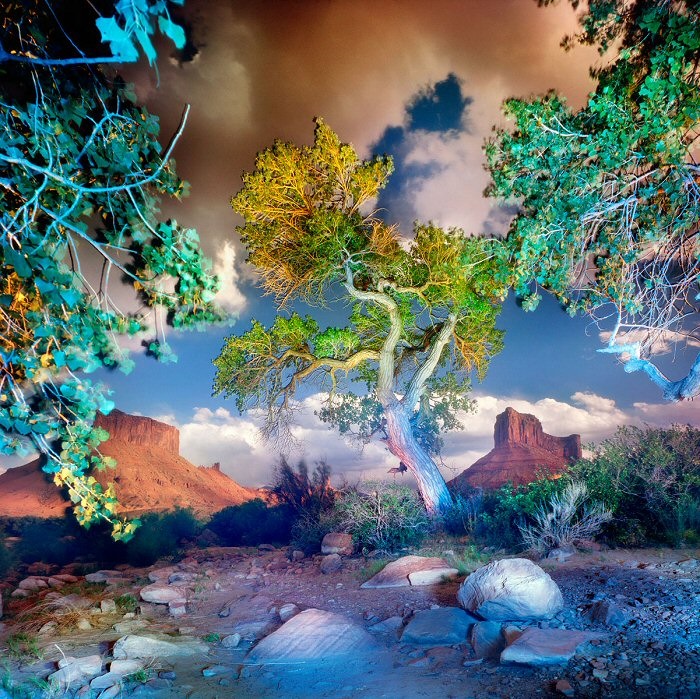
510,589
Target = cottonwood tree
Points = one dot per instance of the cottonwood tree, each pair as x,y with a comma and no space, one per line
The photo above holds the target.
81,175
422,314
609,194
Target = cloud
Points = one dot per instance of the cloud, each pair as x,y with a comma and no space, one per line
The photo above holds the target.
230,297
665,342
211,435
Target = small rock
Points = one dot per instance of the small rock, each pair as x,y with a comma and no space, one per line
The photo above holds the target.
214,670
331,563
298,556
266,547
563,687
390,625
33,584
606,612
231,641
162,594
177,608
84,625
287,611
337,542
126,666
108,606
487,639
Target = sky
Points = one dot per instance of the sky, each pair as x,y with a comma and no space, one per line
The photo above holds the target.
423,82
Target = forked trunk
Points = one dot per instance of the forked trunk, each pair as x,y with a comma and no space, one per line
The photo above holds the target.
403,444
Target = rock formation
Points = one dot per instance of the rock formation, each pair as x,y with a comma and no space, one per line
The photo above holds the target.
150,475
521,449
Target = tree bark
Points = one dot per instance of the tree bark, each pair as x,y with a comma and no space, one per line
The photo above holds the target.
403,444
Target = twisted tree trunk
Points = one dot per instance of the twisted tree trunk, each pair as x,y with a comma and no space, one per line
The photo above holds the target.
402,443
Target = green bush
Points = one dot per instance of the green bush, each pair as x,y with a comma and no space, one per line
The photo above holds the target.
461,518
650,478
382,516
507,509
253,523
309,529
161,534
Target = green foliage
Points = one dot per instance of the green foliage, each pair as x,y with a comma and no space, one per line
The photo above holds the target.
382,516
650,479
23,646
461,518
309,529
614,184
309,236
568,516
81,167
252,523
211,637
126,603
508,508
161,535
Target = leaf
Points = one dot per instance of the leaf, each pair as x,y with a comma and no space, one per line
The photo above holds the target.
120,43
172,30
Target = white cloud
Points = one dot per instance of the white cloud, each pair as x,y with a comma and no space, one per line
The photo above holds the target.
664,343
235,441
229,296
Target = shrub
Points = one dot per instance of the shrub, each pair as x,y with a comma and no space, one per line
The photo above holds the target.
461,517
650,479
6,558
161,534
508,508
567,517
252,523
305,495
308,530
382,516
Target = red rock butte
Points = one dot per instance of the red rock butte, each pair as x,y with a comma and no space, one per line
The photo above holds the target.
522,449
150,475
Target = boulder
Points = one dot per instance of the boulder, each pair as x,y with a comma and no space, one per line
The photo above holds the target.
541,647
337,542
509,590
411,570
331,563
314,635
133,646
438,627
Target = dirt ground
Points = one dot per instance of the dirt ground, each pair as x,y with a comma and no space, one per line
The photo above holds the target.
656,654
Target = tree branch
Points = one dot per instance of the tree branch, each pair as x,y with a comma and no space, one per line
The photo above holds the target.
426,370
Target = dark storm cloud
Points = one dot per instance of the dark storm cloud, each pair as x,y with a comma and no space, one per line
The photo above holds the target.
439,109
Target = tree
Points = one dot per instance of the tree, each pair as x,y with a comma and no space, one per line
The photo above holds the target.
81,174
423,311
609,194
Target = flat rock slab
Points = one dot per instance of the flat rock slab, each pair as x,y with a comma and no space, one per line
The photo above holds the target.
411,570
162,594
438,627
487,639
540,647
155,647
313,635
